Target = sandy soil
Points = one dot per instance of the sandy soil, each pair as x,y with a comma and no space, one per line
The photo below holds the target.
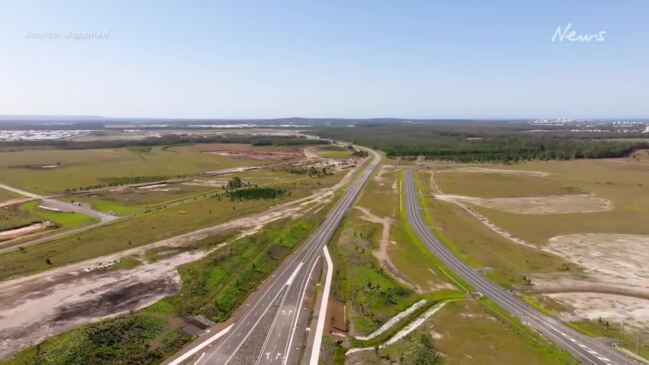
215,183
24,231
616,308
311,153
31,313
617,260
552,204
8,203
35,307
486,170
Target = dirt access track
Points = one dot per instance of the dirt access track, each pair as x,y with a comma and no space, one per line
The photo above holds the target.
35,307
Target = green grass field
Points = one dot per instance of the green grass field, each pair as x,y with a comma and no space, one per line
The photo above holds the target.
334,152
478,246
495,185
158,224
468,333
13,217
7,195
83,168
62,219
622,183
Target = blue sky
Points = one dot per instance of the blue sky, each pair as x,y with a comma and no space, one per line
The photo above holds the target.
247,59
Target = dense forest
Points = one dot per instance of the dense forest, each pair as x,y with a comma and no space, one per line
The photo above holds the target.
480,143
169,140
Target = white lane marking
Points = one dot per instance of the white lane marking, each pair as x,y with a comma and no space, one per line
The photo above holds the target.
191,352
294,274
317,341
199,359
297,314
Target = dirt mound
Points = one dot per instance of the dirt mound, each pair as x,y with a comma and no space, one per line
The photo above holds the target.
552,204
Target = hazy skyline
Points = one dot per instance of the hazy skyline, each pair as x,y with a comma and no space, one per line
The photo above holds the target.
324,59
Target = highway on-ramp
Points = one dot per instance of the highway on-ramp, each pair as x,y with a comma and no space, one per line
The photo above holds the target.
586,349
273,326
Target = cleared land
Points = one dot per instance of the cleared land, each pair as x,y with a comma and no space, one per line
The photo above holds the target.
155,225
588,213
502,260
50,171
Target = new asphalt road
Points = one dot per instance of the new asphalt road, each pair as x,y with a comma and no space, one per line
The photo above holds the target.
586,349
273,326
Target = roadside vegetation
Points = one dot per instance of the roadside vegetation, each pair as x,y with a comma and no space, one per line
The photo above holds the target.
212,287
145,145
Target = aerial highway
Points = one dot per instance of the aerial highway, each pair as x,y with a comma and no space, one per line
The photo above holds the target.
586,349
272,328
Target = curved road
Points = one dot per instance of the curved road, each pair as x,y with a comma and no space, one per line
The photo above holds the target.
280,300
586,349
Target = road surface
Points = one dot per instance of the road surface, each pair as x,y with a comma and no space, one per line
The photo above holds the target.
586,349
273,327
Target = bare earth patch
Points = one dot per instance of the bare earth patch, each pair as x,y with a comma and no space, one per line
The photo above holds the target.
380,179
615,282
486,170
634,312
24,231
552,204
616,259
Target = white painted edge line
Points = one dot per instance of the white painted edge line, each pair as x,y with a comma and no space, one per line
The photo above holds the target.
294,274
287,351
317,341
191,352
